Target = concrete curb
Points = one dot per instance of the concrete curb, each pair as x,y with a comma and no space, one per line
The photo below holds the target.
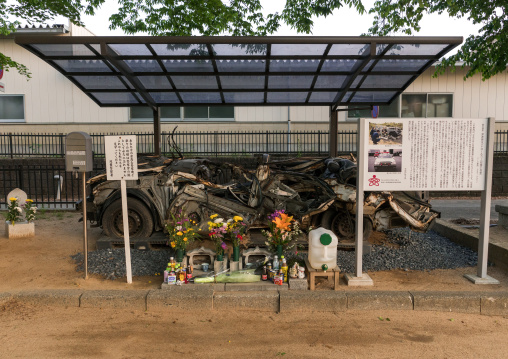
50,297
461,302
205,299
304,300
135,299
382,300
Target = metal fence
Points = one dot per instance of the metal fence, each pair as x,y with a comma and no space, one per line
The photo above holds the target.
212,143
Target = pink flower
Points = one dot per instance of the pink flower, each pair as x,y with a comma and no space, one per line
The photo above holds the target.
223,245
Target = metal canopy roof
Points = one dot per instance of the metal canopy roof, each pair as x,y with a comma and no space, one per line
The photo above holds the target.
240,71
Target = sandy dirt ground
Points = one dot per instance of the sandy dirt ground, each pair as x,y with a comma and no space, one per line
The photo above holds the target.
44,262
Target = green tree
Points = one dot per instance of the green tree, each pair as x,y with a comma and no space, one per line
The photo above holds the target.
485,53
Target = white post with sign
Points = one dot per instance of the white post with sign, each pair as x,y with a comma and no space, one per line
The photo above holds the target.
122,165
440,154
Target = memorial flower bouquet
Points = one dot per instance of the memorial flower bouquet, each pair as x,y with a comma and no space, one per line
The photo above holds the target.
217,231
14,211
181,231
235,230
281,231
30,210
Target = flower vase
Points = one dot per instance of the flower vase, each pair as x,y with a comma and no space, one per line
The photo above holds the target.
279,250
220,256
19,229
236,254
179,255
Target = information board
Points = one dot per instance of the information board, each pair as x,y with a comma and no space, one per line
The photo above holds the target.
442,154
121,158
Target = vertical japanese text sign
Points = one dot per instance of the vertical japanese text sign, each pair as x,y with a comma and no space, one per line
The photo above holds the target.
121,158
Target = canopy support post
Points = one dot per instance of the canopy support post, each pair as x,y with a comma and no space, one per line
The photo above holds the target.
333,134
157,131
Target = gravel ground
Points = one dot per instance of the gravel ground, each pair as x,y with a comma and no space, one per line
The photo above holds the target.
416,251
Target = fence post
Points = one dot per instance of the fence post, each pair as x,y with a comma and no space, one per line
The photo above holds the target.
11,147
319,142
62,150
20,175
215,142
267,142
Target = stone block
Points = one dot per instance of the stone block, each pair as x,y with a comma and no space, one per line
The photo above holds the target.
19,230
131,299
180,300
379,300
50,297
216,287
267,301
235,265
298,284
462,302
494,303
220,266
255,287
313,301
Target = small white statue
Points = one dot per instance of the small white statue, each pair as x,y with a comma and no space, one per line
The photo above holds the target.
293,272
301,272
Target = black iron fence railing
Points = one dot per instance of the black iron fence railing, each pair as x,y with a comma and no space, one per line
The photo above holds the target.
211,143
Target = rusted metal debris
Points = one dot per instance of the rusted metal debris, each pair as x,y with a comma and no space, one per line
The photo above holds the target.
316,191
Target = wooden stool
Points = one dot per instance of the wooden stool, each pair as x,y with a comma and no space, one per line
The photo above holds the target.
313,273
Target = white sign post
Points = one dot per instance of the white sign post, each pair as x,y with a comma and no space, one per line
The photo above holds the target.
422,154
122,165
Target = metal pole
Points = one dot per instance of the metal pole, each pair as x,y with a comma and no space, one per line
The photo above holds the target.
332,135
289,132
359,198
157,131
85,237
483,244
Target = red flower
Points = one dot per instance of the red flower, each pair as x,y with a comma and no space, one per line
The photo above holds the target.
239,237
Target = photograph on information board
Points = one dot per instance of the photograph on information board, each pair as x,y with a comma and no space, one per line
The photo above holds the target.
385,133
439,154
385,160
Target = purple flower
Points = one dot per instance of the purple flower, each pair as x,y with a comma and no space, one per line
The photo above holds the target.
223,245
178,222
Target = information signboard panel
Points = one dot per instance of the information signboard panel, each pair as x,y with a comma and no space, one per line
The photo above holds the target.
409,154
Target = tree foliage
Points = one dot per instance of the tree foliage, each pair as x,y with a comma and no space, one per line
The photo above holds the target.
485,53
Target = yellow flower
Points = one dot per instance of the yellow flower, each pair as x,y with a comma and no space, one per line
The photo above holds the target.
30,200
237,218
179,233
13,199
173,244
185,239
213,216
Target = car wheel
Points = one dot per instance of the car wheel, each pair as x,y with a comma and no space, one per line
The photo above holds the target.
342,224
140,219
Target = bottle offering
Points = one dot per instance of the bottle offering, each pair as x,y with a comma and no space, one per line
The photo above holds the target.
182,275
172,263
269,271
284,269
264,276
282,276
189,272
275,263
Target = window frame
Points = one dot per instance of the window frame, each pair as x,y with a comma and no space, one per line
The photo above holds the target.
17,120
183,118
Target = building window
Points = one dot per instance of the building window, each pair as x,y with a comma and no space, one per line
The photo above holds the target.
12,108
412,105
191,113
426,105
391,110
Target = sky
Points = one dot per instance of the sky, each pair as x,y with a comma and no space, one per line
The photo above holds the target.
343,22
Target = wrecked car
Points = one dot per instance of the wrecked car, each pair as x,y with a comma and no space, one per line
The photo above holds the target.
316,191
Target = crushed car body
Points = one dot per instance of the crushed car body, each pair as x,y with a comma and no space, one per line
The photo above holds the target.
316,191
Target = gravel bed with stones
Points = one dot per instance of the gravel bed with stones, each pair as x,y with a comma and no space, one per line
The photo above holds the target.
410,251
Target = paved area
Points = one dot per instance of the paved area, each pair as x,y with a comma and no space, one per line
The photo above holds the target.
464,208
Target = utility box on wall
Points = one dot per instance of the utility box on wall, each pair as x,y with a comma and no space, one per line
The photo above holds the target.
78,152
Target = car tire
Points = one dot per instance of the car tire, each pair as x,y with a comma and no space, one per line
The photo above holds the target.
140,219
332,220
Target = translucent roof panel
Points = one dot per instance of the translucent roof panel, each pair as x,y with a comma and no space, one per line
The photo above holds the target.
274,70
100,82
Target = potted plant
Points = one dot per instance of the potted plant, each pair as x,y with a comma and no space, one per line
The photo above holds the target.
15,226
181,232
217,232
235,231
281,230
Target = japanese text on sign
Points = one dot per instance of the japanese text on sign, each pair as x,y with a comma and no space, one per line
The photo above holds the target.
121,158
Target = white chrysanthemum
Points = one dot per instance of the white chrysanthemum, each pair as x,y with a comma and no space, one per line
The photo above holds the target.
230,220
178,228
219,220
19,210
